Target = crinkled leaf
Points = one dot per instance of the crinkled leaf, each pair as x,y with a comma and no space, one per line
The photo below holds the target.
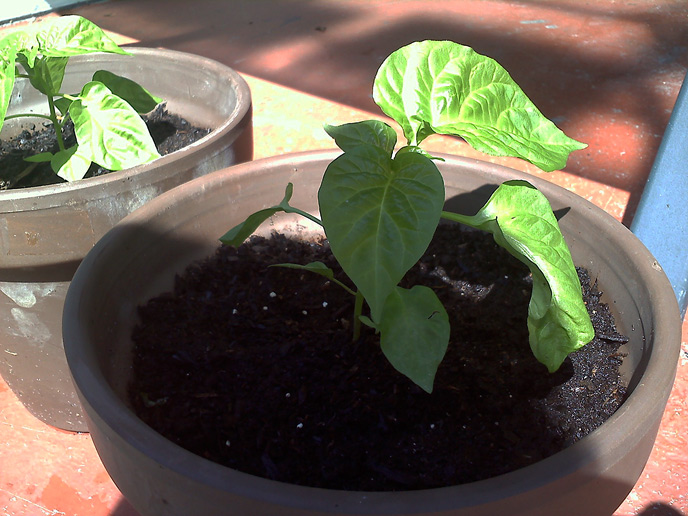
109,131
379,215
70,164
73,35
521,220
443,87
43,157
236,236
371,132
138,96
414,333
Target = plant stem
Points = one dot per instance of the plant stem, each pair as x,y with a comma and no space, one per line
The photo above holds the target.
358,309
468,220
36,115
290,209
22,174
56,123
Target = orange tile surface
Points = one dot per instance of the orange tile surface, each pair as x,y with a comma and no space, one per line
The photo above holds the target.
607,71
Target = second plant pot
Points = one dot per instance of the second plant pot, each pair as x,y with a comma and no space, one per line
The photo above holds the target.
139,258
47,230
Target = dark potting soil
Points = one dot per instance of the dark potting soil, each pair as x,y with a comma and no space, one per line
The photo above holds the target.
254,368
170,132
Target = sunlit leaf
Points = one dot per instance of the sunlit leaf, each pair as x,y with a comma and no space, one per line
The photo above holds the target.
446,88
521,220
73,35
70,164
8,55
109,131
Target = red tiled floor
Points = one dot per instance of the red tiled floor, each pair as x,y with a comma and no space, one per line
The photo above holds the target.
606,71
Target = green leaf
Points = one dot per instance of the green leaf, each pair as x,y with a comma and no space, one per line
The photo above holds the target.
521,220
418,150
70,164
47,73
63,103
109,131
8,55
414,333
372,132
138,96
73,35
368,322
236,236
443,87
318,268
379,215
43,157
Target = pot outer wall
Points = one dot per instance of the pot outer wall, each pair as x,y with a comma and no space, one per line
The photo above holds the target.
46,231
139,258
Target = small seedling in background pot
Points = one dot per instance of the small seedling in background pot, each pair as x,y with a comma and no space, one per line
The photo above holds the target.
379,209
106,112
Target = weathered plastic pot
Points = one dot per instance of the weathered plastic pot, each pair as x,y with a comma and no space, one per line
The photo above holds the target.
45,231
138,259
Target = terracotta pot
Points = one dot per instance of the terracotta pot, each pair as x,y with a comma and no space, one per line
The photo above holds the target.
45,231
140,256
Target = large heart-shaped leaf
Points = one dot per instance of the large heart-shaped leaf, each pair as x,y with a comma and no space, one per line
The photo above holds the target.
521,220
379,215
109,131
443,87
414,333
73,35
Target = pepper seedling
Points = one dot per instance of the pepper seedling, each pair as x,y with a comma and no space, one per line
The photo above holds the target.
106,112
379,209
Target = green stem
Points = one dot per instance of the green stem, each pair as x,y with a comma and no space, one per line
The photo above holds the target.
56,123
358,309
291,209
468,220
22,174
37,115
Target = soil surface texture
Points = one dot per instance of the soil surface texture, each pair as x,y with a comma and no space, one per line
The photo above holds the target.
254,367
170,132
